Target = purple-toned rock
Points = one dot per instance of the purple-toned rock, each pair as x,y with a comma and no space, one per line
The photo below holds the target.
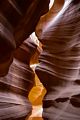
59,67
18,19
16,85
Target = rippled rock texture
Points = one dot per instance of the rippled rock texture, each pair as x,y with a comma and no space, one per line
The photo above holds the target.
16,85
59,67
18,19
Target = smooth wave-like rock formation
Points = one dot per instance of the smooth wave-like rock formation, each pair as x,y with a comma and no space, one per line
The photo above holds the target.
18,19
22,16
59,67
16,85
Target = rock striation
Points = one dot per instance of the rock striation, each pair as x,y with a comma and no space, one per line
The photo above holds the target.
59,63
16,85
